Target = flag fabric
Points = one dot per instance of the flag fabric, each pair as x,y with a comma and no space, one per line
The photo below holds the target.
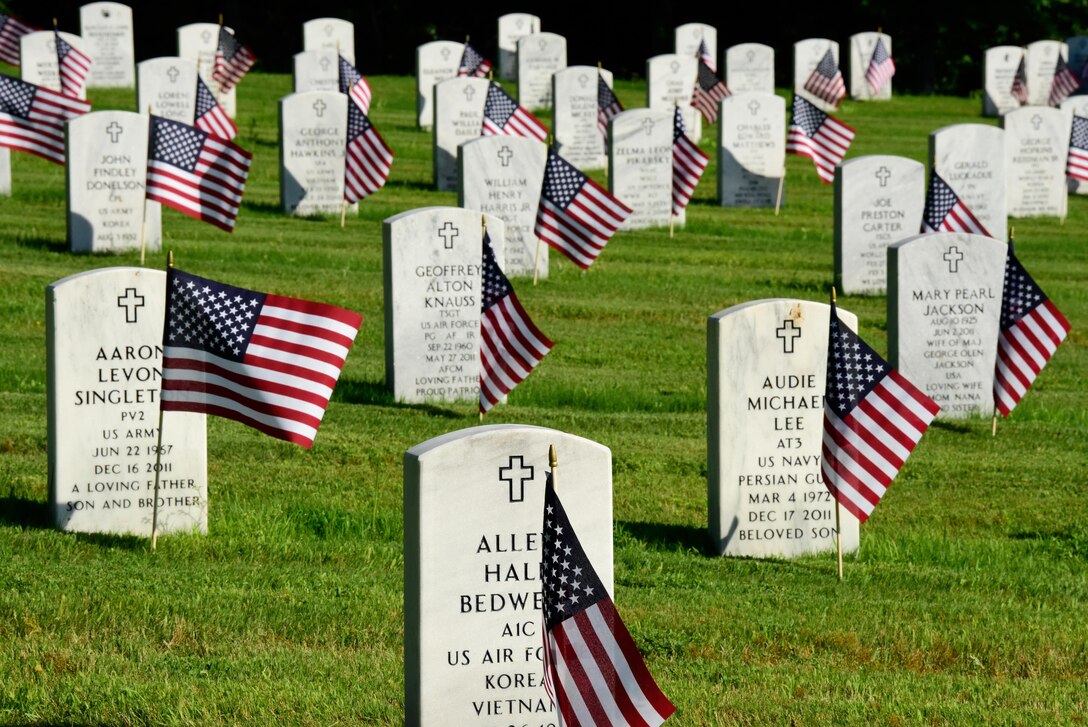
32,118
73,66
232,60
504,117
1065,82
704,55
473,63
196,173
510,345
593,670
1076,165
265,360
822,138
1031,329
355,85
368,158
11,30
209,115
873,418
688,164
946,212
607,105
709,90
881,67
1019,88
825,82
576,215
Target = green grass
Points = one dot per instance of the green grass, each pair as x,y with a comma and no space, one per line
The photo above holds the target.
968,601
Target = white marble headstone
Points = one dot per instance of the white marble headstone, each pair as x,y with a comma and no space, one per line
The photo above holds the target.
539,56
687,37
313,137
671,79
198,42
104,357
766,373
436,61
167,86
38,58
330,34
512,27
1076,106
316,70
473,520
640,166
106,29
806,56
1040,61
971,158
104,179
751,149
944,306
5,172
999,68
879,200
574,118
458,117
1036,148
862,46
749,68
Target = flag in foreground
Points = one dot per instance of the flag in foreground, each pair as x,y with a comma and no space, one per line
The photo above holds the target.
11,30
267,361
504,117
196,173
593,670
32,118
1031,329
232,60
1019,88
822,138
473,63
873,418
688,164
704,55
946,212
1077,164
607,104
73,66
576,215
881,67
825,82
368,158
709,91
209,115
1064,82
510,345
354,84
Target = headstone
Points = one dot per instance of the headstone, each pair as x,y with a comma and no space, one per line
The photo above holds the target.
749,68
999,69
539,56
1039,63
862,46
330,34
502,176
436,61
313,137
1076,106
574,118
640,166
879,200
512,28
944,306
671,79
432,272
5,172
1078,56
751,149
971,158
38,58
806,56
316,70
766,371
473,517
458,117
198,42
1036,150
104,353
106,29
167,86
687,38
105,176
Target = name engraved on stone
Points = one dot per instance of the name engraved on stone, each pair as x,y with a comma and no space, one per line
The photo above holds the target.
751,149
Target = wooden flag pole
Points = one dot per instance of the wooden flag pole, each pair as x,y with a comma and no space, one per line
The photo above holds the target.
536,262
778,197
838,507
343,213
993,422
158,453
553,462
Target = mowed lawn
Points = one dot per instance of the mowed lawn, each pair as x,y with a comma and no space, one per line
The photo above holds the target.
967,603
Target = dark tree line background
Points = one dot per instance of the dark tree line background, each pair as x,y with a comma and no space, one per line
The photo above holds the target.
938,47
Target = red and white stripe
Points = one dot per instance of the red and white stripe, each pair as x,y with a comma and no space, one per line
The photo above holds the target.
361,93
1077,164
42,131
688,164
213,192
75,66
707,101
11,30
826,148
587,224
959,219
832,90
880,73
510,348
1023,350
520,123
217,123
366,165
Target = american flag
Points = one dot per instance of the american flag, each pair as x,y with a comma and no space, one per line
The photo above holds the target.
210,116
825,82
607,105
510,345
946,212
881,67
32,118
576,215
368,158
1031,329
1019,88
688,164
473,63
873,418
11,30
267,361
593,670
1077,164
232,60
822,138
355,85
709,90
1064,83
73,66
504,117
196,173
704,55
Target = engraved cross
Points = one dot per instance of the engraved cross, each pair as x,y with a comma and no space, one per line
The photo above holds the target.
648,124
319,108
114,130
504,155
882,175
515,474
1036,121
788,332
130,302
953,257
173,72
469,92
324,63
753,107
448,233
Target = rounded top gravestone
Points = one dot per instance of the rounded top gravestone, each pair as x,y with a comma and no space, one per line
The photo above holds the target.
106,28
436,61
330,34
749,68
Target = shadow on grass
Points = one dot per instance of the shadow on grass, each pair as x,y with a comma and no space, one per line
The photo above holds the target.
24,513
659,536
410,184
40,243
1068,543
951,426
376,394
274,207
